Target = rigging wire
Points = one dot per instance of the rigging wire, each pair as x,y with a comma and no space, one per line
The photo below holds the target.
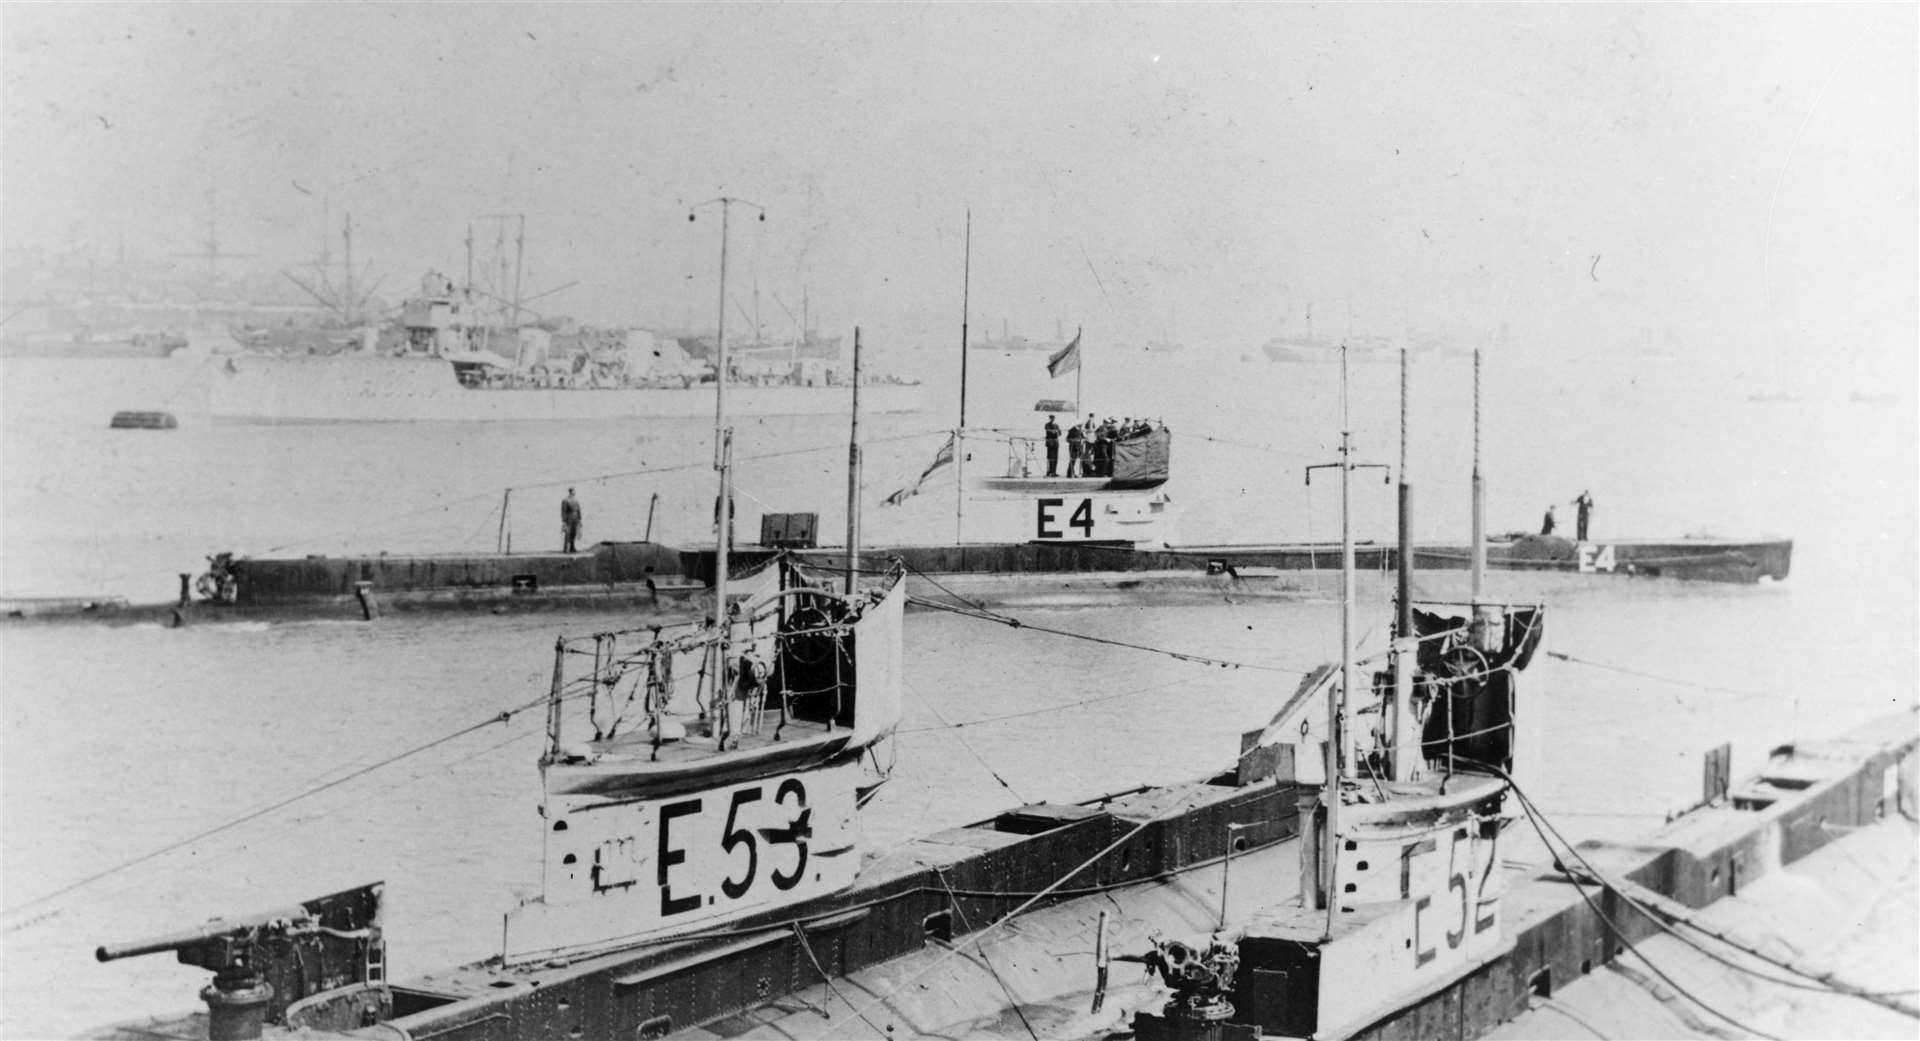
1621,939
1034,897
1013,1001
1082,703
964,743
403,515
494,498
1821,982
979,937
420,775
937,584
739,459
1623,670
800,934
1015,623
503,716
976,609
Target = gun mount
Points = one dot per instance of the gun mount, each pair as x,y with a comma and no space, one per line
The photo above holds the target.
1201,978
265,962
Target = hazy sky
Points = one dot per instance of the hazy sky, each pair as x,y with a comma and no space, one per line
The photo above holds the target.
1740,173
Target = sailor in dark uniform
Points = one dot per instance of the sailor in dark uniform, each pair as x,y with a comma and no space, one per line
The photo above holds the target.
1104,439
1076,447
1053,448
1547,522
1584,504
569,522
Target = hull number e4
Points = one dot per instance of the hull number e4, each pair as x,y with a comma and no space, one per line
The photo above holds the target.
1595,558
1057,521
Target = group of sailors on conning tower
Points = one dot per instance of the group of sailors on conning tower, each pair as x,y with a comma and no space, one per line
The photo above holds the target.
1090,444
1584,505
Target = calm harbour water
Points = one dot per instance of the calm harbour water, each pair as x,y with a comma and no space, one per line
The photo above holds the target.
118,742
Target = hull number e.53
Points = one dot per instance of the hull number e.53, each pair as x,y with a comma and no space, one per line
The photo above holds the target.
626,870
757,850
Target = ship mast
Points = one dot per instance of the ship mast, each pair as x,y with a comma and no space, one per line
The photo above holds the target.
1478,554
959,448
723,443
1339,753
1336,703
1404,753
853,475
213,254
1079,372
519,259
346,236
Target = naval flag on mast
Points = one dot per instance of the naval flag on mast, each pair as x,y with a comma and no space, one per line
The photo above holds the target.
944,457
1289,714
1066,359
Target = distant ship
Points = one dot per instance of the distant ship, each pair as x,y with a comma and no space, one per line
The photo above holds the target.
293,338
761,350
436,367
1360,349
84,343
1012,342
810,346
113,327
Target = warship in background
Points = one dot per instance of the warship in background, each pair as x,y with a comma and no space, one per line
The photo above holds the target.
1361,349
762,351
466,355
122,310
84,299
1010,342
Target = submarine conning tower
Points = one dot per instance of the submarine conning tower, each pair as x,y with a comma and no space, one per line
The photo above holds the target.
1400,881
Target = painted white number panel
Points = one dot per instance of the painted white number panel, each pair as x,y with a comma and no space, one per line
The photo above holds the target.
1440,892
619,873
1070,517
1594,557
1092,518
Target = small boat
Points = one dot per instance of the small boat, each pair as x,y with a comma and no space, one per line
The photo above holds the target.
143,420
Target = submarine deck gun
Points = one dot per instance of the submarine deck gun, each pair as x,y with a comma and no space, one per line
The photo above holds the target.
264,963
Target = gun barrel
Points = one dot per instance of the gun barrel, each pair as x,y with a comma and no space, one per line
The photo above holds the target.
231,928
